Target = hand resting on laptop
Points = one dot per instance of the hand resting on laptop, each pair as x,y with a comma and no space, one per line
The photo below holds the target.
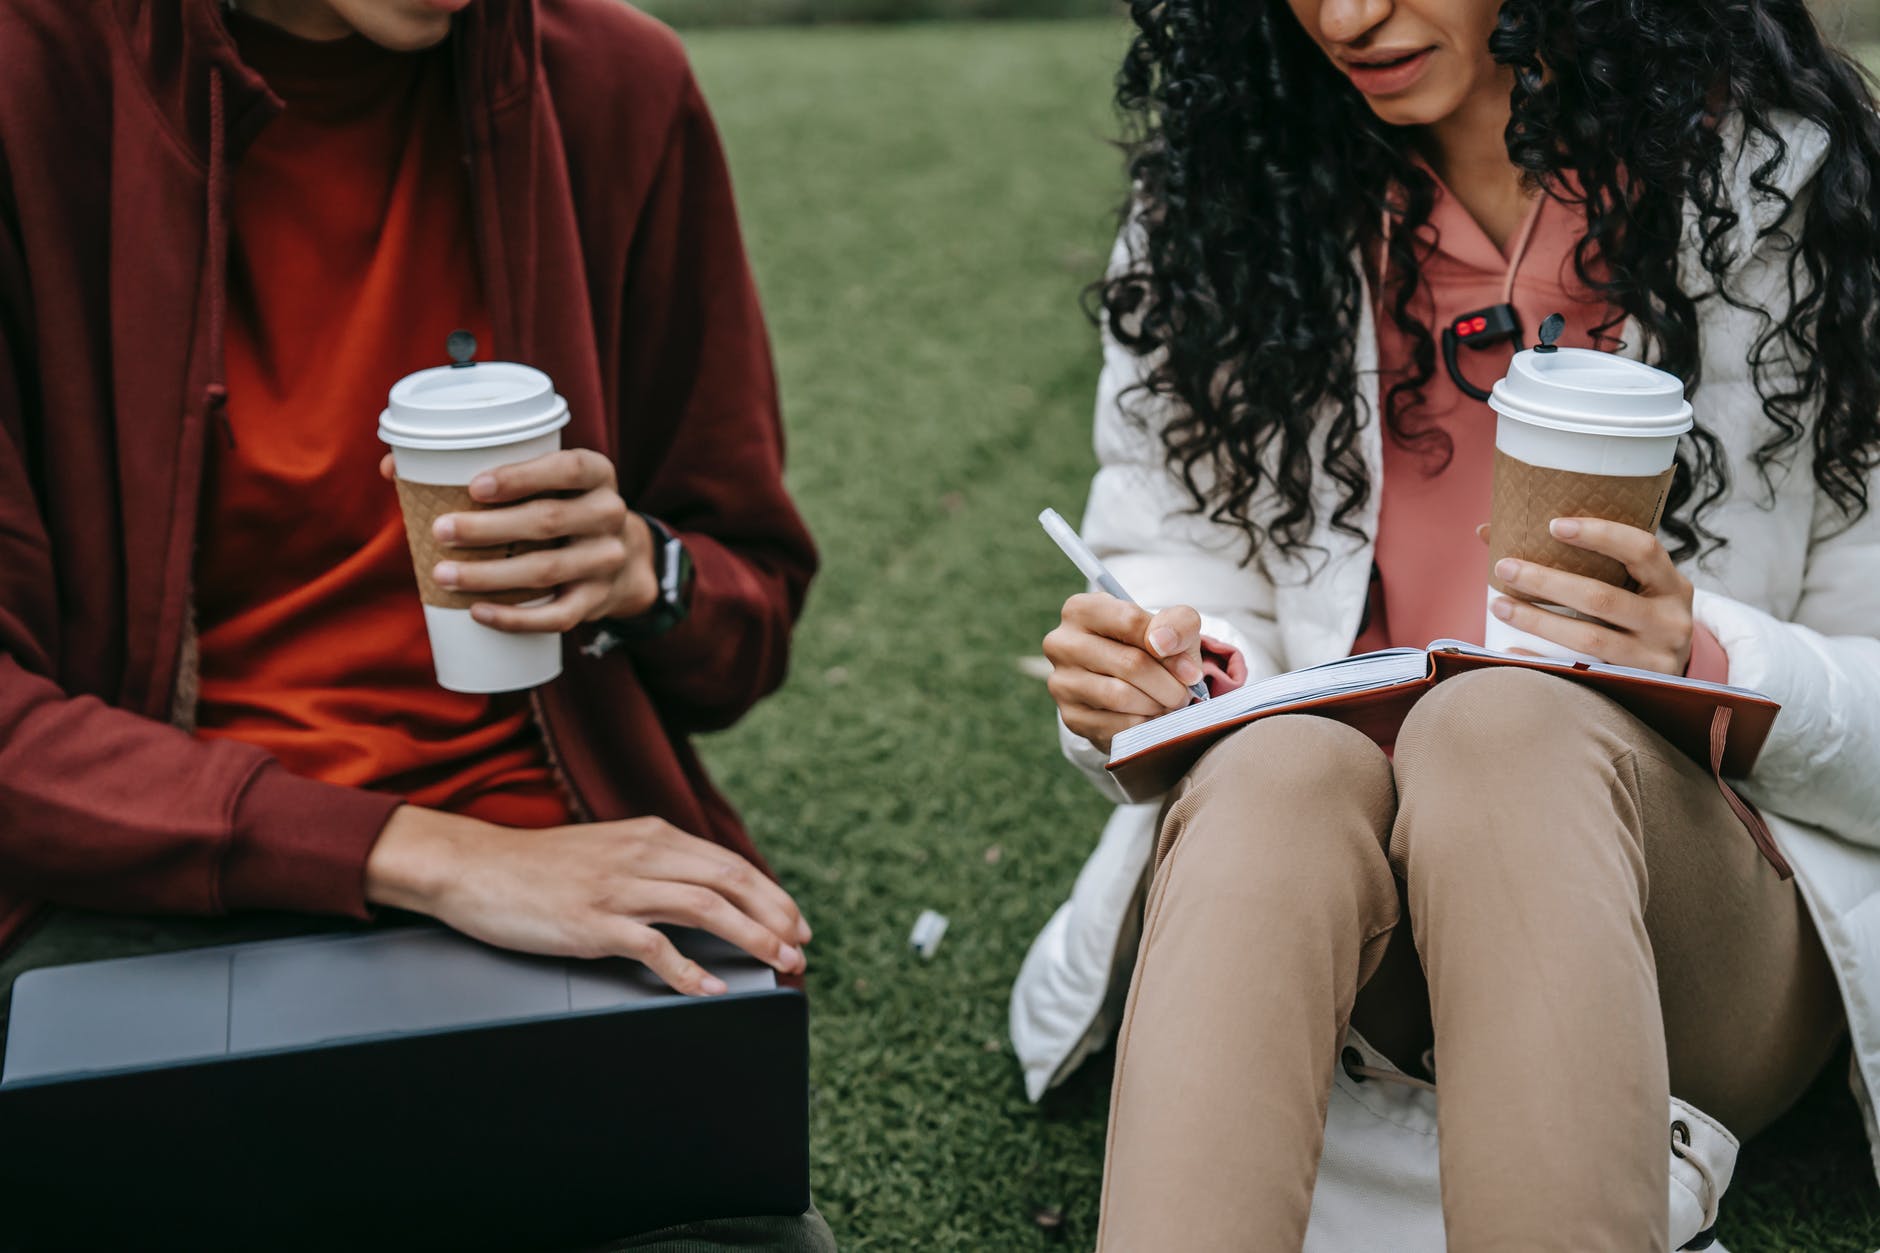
588,890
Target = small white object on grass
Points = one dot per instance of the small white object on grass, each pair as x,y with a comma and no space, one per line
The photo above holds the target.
928,928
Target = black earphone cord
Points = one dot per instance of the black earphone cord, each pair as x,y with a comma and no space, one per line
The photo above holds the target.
1451,340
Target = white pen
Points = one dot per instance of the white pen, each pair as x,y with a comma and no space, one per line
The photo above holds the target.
1079,552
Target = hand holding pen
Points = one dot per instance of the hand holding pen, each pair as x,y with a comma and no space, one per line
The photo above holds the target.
1113,663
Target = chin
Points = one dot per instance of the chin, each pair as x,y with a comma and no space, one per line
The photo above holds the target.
409,33
1415,108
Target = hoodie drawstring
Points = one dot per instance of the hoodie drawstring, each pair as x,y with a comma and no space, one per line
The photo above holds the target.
215,396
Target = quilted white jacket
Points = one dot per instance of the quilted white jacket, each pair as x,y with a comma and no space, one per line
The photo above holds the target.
1794,598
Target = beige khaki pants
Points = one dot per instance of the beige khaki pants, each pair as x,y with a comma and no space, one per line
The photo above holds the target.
1596,929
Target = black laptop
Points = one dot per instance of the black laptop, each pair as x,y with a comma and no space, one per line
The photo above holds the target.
406,1088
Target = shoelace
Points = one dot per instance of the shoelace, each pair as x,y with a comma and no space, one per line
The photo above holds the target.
1353,1062
1681,1140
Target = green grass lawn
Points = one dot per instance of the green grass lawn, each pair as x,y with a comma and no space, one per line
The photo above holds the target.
923,205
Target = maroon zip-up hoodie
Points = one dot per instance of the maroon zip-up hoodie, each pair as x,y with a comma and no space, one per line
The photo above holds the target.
610,258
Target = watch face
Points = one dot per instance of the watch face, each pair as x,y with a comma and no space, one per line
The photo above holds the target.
669,571
675,584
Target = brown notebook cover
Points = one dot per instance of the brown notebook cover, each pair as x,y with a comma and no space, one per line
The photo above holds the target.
1680,713
1684,712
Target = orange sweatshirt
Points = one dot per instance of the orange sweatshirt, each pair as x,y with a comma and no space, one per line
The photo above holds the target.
351,258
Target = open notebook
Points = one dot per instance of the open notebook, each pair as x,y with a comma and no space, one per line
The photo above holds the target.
1718,726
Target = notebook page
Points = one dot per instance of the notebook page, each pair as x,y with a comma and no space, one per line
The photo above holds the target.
1347,674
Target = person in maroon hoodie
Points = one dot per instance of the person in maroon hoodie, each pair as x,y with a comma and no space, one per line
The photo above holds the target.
225,230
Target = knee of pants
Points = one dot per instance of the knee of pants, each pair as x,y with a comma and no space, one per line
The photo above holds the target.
1284,796
1501,748
1501,720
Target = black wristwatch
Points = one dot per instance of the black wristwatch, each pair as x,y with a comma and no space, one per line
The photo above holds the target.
674,566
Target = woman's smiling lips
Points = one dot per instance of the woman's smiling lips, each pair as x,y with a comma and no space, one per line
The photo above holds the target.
1385,72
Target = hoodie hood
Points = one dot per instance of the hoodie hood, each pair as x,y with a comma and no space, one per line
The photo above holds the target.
180,46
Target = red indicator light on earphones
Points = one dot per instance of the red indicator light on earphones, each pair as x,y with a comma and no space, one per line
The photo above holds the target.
1478,329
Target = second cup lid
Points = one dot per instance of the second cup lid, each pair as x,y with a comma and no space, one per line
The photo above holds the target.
1580,389
471,406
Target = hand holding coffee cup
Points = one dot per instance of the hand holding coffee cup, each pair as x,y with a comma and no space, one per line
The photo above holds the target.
599,563
513,539
1648,626
1585,443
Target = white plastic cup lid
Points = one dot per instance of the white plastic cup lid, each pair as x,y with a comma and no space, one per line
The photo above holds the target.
471,406
1579,389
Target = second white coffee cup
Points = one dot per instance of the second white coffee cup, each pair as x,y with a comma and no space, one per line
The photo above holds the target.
1586,413
445,426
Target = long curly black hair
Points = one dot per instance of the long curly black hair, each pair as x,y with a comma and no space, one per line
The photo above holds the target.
1258,168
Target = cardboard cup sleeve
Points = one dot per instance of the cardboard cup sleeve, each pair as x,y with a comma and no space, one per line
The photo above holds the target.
1528,497
423,504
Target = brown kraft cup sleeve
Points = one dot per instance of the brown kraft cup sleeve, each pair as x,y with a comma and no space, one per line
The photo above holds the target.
423,504
1528,497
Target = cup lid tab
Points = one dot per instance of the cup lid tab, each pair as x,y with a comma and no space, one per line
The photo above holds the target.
462,347
1551,327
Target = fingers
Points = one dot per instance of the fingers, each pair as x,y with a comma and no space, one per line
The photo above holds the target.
1104,678
1639,551
658,953
387,468
1174,635
1591,597
1106,693
1591,638
600,512
1105,615
570,470
1099,726
1482,532
1099,672
690,905
594,557
583,602
1649,628
1131,624
682,858
1595,639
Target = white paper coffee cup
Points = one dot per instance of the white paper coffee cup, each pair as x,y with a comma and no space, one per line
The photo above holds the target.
445,426
1577,433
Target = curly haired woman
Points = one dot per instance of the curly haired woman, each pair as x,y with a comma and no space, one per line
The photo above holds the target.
1534,896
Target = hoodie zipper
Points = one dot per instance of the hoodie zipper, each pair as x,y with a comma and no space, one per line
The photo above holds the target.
557,765
215,394
491,282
